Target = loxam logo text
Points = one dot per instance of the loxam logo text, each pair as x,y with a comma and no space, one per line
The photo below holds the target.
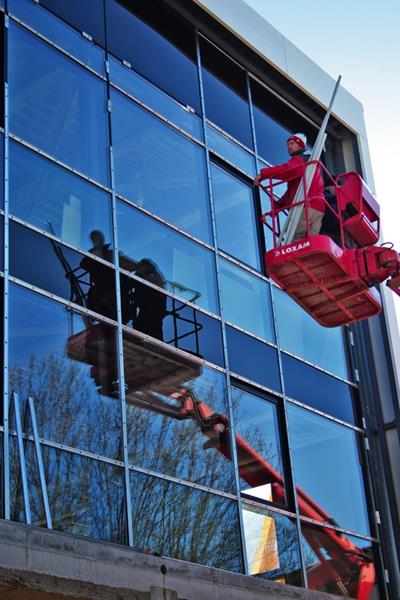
294,248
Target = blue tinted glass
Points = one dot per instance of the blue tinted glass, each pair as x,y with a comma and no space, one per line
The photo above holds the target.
58,202
66,113
274,121
230,150
271,138
191,330
180,522
152,312
58,32
317,389
164,63
159,169
301,335
149,94
86,497
246,300
2,170
272,546
89,18
225,94
258,447
253,359
179,265
62,271
166,419
326,461
237,230
1,244
56,358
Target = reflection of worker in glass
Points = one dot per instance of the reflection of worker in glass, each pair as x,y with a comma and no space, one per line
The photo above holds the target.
100,248
292,172
101,296
149,304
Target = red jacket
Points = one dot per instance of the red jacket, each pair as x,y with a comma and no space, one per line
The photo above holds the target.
292,171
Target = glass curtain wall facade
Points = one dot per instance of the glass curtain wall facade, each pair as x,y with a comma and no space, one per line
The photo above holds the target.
159,391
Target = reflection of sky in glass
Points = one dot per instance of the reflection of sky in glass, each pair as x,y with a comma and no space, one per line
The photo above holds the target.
235,217
256,423
301,335
246,300
327,467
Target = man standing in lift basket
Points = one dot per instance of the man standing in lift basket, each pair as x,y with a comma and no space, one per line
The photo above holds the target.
292,172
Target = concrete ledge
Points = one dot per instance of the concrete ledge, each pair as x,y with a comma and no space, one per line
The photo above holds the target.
48,565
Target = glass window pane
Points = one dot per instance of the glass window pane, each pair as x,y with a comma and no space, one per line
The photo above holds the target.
159,169
258,447
272,546
149,94
178,264
301,335
155,28
2,171
237,230
225,93
59,32
177,417
274,121
327,468
57,201
180,522
246,300
253,359
152,312
89,19
67,363
57,105
86,497
323,548
1,243
228,149
62,271
318,389
2,65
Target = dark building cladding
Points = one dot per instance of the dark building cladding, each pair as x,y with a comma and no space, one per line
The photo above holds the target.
159,392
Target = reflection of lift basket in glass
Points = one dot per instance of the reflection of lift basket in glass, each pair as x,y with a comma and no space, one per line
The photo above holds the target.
332,275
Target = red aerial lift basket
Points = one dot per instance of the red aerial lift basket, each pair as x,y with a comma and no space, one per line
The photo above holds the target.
359,209
332,275
323,279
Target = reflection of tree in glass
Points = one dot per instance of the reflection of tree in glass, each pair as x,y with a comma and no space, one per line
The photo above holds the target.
184,523
85,496
167,445
68,407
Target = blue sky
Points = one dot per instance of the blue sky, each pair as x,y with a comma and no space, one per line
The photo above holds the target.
361,41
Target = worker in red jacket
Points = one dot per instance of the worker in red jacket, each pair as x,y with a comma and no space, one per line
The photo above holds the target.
292,171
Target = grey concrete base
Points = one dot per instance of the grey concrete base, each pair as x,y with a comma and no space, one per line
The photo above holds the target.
38,564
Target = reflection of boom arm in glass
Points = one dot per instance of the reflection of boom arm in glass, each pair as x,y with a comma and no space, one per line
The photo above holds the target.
155,380
349,570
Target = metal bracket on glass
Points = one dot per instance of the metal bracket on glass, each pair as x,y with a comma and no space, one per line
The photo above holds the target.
126,63
39,458
377,517
22,462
